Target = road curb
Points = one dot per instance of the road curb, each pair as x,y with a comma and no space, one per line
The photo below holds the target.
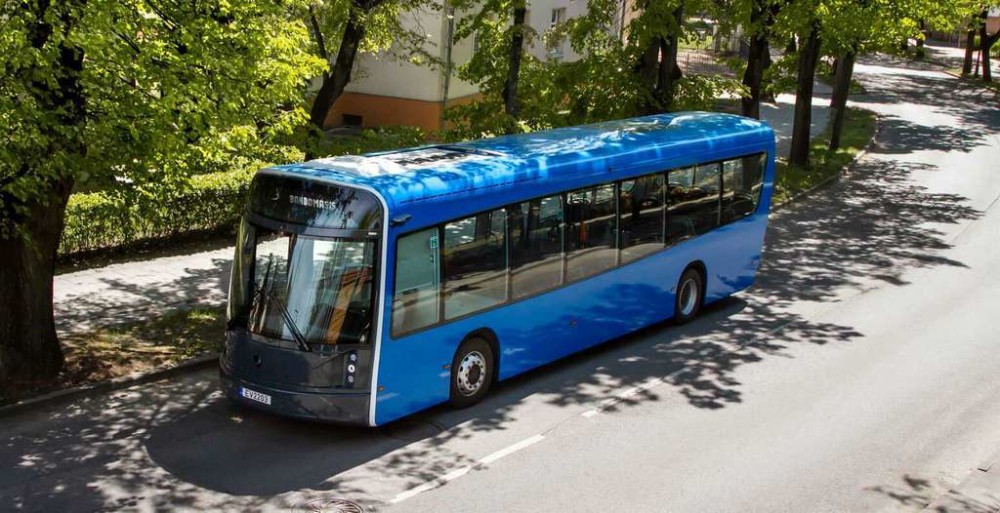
102,387
836,176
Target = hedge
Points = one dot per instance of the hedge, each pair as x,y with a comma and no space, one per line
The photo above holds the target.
113,219
121,217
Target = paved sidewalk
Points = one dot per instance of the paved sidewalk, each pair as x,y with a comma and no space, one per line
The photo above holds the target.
780,115
134,291
952,56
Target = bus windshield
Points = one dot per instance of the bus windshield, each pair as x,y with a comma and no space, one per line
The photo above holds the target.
310,290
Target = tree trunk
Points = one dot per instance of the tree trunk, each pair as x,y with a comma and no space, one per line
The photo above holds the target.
753,77
29,349
923,34
792,46
986,43
808,55
511,101
758,57
984,51
667,71
339,76
647,71
841,90
970,39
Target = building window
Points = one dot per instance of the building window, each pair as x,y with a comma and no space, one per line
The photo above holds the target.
352,120
558,16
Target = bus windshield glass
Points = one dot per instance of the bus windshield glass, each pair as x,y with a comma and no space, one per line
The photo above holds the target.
311,290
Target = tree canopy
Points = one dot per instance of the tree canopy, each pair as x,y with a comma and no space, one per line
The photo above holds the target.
116,92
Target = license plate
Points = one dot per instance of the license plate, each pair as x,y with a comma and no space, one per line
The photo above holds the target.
255,396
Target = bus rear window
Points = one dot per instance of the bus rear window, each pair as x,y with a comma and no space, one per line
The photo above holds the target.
311,203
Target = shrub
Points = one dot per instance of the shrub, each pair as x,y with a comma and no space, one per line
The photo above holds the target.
122,217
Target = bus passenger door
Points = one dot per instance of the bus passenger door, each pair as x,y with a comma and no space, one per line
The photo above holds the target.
418,281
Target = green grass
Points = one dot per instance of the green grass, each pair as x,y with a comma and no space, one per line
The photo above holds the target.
106,353
859,127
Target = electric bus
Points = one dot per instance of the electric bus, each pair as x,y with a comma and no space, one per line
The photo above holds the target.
366,288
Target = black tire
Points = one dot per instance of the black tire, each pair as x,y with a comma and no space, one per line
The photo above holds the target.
469,384
689,295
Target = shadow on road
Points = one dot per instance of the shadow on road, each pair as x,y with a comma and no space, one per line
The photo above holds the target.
916,492
180,445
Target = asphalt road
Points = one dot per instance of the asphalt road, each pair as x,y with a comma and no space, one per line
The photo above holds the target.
860,374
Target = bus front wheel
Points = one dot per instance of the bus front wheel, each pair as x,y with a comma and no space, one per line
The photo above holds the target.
471,372
688,299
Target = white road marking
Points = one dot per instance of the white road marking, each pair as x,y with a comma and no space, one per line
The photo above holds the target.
507,451
618,398
459,472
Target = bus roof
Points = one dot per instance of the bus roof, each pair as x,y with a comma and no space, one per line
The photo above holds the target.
561,155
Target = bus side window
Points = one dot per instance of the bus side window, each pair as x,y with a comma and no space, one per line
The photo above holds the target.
475,263
680,221
641,211
591,231
535,246
694,201
753,174
741,184
415,303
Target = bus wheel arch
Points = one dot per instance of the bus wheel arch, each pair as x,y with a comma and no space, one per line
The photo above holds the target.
477,355
687,300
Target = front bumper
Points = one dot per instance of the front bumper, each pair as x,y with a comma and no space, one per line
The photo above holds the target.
337,408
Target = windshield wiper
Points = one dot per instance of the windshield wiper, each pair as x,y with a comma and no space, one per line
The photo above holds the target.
289,321
265,291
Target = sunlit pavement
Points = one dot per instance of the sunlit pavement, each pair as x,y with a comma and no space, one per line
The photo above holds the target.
858,375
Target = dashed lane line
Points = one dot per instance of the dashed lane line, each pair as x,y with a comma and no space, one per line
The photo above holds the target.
459,472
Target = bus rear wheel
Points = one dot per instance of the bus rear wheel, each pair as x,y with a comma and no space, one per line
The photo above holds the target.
471,373
688,299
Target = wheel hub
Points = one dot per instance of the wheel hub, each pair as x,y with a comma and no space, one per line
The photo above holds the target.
471,373
688,297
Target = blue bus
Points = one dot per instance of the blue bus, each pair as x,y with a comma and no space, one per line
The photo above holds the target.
366,288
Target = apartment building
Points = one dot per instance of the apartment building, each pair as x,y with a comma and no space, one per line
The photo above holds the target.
385,91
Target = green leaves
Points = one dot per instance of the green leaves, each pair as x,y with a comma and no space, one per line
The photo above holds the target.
164,88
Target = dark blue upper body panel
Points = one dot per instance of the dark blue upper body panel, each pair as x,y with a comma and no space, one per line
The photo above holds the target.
427,182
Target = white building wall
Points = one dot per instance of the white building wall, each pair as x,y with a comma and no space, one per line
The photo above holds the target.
540,19
384,75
